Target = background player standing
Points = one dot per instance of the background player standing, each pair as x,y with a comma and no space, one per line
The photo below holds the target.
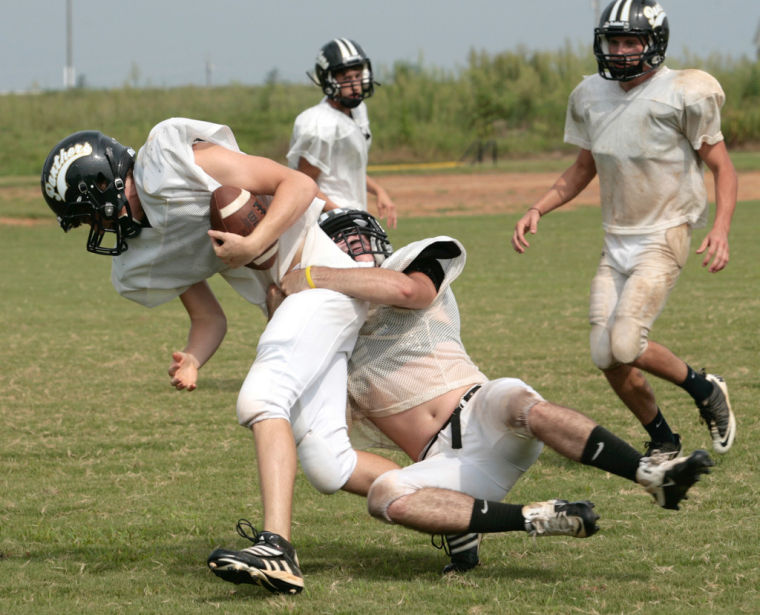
646,130
331,140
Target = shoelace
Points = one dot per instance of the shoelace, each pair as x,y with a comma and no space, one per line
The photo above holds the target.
242,527
444,544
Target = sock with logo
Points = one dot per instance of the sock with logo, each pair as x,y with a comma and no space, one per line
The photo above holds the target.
697,386
488,516
604,450
659,430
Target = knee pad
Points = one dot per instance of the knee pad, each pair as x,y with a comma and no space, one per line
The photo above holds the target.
250,410
628,340
518,404
386,489
326,469
601,352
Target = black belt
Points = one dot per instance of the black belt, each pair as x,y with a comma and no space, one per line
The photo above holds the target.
453,420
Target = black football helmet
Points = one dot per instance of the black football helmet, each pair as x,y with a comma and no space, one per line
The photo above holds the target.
337,55
83,180
356,232
644,19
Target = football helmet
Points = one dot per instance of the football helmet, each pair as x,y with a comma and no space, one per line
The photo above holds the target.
335,56
83,181
644,19
357,233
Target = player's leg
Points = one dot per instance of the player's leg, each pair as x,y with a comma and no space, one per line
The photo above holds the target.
519,410
579,438
319,425
276,465
617,336
296,349
459,519
657,265
438,494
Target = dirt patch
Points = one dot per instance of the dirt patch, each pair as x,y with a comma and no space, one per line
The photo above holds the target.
492,193
440,194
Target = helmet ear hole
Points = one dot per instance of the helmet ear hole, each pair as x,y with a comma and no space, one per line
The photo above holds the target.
101,182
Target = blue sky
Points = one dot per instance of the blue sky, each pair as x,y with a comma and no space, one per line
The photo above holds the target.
173,42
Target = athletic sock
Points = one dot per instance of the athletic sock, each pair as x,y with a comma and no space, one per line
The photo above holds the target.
697,386
488,516
659,430
604,450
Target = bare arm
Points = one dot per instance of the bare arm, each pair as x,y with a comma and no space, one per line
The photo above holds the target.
292,194
386,208
575,178
208,326
716,242
413,291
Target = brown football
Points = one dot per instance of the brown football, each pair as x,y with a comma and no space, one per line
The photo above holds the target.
235,210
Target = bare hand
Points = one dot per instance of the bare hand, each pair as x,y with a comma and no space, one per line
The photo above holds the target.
715,244
183,371
235,250
294,282
528,223
386,208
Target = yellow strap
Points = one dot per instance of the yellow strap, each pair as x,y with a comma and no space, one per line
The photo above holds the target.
309,281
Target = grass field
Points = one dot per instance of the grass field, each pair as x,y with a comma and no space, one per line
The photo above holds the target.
114,487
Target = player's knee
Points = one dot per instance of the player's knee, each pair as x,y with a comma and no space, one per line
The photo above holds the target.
628,340
519,404
250,410
325,468
385,493
601,353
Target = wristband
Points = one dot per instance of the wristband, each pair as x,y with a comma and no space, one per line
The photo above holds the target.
309,281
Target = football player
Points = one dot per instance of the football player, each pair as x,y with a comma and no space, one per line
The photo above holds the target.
470,438
331,140
150,213
646,131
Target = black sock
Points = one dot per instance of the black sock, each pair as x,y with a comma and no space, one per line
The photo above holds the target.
697,386
604,450
488,516
659,430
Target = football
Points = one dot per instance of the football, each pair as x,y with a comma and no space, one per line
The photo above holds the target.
234,210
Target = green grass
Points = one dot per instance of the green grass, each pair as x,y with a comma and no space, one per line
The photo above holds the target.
114,487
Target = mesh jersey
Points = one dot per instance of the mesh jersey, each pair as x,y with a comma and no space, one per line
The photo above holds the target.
403,357
338,145
643,143
175,252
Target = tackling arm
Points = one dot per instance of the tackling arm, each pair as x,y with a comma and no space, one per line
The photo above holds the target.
208,325
414,290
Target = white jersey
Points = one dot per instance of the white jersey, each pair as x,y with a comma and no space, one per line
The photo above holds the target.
400,348
338,145
643,142
175,252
